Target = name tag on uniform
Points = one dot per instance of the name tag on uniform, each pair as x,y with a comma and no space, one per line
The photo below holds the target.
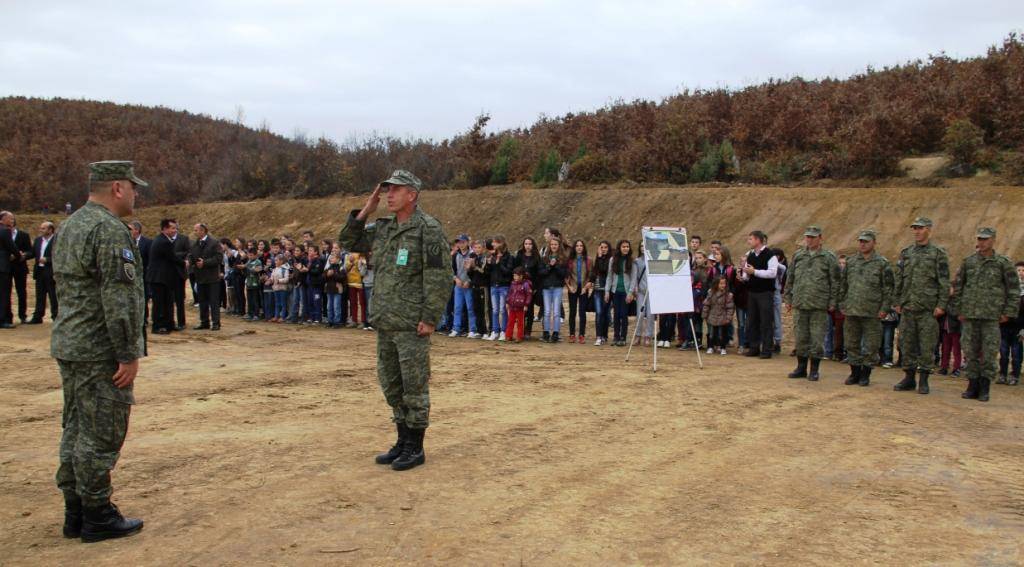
403,257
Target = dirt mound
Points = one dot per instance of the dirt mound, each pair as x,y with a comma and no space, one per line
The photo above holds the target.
726,213
923,167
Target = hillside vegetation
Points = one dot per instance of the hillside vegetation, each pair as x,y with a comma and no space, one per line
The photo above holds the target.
779,132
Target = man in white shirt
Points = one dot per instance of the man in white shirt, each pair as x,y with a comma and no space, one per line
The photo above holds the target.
759,270
42,273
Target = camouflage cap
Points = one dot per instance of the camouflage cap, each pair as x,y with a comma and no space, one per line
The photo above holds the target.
813,230
866,234
114,170
921,221
986,232
403,177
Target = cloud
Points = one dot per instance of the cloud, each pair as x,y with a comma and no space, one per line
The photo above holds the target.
427,68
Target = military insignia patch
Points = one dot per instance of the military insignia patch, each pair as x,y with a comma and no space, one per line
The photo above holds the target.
434,256
127,255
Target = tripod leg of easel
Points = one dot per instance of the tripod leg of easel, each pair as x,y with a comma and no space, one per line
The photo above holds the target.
655,341
696,346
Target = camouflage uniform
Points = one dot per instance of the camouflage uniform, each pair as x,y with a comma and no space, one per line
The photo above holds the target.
922,285
865,291
812,288
97,268
986,288
412,280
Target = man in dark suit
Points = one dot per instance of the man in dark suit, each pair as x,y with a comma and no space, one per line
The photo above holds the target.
163,276
182,247
42,273
206,259
19,267
143,243
8,253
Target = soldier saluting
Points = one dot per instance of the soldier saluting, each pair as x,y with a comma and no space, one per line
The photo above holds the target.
985,294
413,277
97,339
922,284
864,298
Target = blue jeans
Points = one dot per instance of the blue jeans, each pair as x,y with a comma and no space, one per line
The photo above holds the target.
499,315
620,326
464,304
268,304
314,302
334,308
295,303
601,313
888,335
281,304
552,302
829,347
741,328
368,295
778,317
1009,348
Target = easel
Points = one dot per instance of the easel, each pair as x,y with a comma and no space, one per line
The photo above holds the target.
657,324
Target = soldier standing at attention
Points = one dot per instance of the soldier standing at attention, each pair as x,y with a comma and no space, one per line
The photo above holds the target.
986,293
97,339
812,288
865,294
922,284
413,277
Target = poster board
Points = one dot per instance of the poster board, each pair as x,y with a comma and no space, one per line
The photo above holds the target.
669,281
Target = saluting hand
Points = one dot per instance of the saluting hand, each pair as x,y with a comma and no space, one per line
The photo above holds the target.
371,204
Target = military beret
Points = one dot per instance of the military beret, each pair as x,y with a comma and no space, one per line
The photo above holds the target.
921,221
403,177
986,232
866,234
114,170
813,230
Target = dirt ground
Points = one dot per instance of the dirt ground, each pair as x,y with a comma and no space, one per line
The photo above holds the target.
255,445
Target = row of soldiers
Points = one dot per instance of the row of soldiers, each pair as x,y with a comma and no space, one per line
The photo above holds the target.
986,292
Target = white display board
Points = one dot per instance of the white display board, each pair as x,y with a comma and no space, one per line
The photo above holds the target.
669,282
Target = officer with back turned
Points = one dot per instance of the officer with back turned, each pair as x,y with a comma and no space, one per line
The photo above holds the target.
98,339
413,276
922,292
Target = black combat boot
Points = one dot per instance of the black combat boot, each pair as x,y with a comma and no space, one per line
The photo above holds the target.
908,382
396,450
801,368
813,375
983,384
412,452
854,377
106,522
971,393
922,382
72,515
865,375
546,337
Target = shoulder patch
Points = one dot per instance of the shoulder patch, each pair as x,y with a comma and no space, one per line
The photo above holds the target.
435,257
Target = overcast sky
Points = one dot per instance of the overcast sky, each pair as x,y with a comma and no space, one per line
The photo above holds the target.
427,68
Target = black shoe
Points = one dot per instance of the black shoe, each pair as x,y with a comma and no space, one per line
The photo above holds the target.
72,516
554,337
215,327
777,349
200,327
983,385
34,322
412,452
180,328
396,450
765,355
943,372
865,376
801,368
971,393
922,382
6,326
813,375
751,352
161,331
908,382
106,522
546,337
854,377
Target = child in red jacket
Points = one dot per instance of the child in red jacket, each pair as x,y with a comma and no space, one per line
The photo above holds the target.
519,296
